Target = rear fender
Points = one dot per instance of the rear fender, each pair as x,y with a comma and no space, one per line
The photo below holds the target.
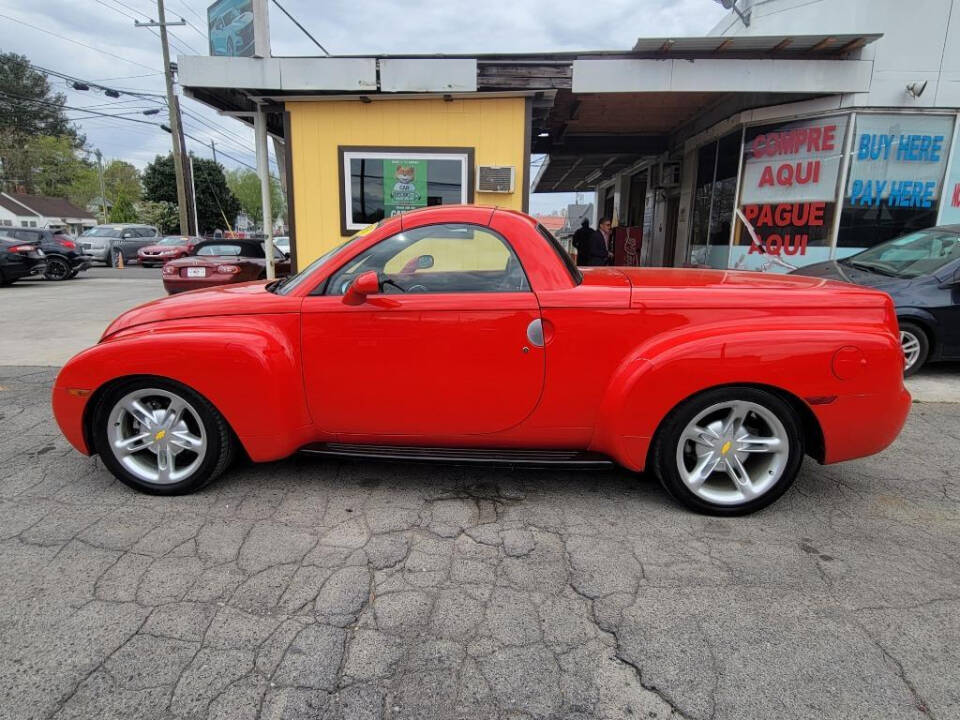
247,367
661,374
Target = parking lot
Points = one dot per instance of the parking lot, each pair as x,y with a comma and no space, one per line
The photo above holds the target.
314,588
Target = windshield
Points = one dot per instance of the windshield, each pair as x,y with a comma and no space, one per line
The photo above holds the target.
174,240
285,286
102,232
220,250
919,253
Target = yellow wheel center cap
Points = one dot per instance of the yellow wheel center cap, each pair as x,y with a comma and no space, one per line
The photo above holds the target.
163,433
724,450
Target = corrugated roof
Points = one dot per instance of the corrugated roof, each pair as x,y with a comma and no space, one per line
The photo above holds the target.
51,206
755,45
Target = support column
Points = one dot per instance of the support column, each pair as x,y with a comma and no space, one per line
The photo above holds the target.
263,170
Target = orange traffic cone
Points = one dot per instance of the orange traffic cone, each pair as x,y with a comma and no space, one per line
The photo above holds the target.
120,260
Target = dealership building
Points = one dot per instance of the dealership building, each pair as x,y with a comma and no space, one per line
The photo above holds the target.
796,131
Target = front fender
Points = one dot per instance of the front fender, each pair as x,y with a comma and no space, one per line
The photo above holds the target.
661,375
246,366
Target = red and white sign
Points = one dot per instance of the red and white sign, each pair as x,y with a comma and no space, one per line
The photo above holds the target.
789,187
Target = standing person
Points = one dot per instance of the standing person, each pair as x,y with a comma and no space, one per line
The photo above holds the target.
581,241
599,250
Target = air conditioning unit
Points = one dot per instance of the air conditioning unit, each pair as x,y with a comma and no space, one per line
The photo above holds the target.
495,178
670,175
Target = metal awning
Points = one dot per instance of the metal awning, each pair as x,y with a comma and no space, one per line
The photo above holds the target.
733,46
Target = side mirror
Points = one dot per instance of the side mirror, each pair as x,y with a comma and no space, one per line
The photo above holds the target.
364,284
424,262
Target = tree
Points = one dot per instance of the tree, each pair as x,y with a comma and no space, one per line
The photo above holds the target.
119,178
163,215
43,165
245,184
29,111
27,104
217,207
123,210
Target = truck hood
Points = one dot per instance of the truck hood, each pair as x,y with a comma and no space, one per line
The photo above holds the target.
241,299
692,287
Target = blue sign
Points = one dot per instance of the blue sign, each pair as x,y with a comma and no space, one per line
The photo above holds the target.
898,160
230,26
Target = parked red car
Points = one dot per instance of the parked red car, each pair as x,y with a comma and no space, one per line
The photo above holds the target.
466,334
169,248
221,262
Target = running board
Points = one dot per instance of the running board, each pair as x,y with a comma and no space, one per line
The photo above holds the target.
506,456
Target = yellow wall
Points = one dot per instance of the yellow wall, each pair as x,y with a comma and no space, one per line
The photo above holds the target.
494,127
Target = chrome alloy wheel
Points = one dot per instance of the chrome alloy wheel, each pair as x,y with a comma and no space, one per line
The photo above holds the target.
157,436
911,348
732,452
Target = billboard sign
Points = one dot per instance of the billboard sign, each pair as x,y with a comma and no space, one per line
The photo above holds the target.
238,28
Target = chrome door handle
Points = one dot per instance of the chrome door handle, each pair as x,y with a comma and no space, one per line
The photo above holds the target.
535,333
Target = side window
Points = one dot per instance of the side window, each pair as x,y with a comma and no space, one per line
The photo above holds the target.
450,258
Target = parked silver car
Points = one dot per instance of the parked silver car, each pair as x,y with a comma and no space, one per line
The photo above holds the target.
105,242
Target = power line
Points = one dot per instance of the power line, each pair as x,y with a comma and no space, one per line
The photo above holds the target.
117,88
70,107
148,17
190,8
75,42
127,77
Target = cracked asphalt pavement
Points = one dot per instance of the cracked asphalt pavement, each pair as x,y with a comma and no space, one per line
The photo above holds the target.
314,588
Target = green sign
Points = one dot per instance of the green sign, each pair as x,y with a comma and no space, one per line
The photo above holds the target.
404,185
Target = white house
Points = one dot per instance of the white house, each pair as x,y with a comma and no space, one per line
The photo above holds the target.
39,211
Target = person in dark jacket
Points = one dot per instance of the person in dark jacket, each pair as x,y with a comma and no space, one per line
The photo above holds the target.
581,239
599,248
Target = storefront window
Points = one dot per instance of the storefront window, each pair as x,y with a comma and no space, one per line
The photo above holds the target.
788,194
717,165
379,184
896,178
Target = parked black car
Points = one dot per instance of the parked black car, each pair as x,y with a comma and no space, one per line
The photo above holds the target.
64,258
921,272
19,260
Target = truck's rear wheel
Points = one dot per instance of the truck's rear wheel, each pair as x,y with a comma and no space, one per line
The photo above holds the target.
729,451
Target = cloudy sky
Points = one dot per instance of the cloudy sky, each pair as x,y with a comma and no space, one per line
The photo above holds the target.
98,42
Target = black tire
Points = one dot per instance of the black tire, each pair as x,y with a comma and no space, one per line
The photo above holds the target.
4,280
664,460
57,268
913,330
220,440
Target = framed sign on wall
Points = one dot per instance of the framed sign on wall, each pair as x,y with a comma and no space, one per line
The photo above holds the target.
379,182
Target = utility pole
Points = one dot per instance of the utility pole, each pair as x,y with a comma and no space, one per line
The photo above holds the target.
103,190
193,192
174,106
213,149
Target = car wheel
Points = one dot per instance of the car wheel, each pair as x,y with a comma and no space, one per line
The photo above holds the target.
161,437
57,269
916,347
729,451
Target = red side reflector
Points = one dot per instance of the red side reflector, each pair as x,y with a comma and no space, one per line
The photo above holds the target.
79,392
821,399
